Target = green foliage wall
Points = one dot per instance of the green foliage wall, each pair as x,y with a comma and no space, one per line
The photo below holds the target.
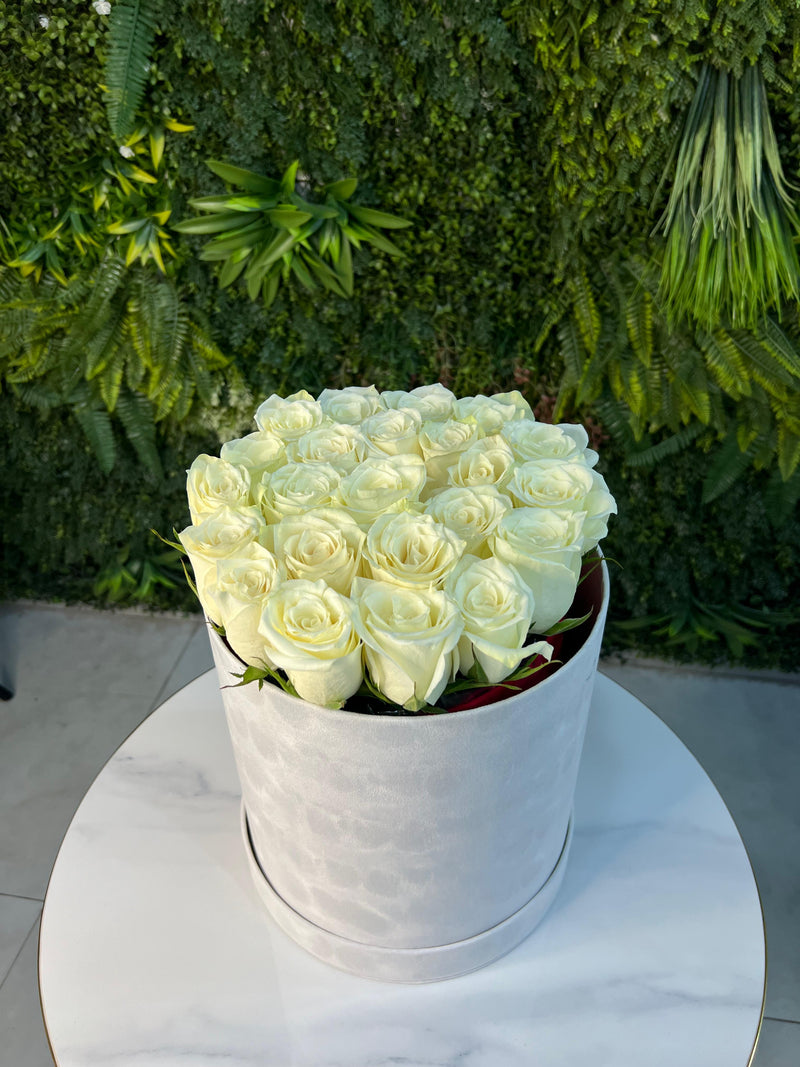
524,141
527,142
52,109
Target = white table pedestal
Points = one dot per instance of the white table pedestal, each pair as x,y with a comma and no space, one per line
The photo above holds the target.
155,950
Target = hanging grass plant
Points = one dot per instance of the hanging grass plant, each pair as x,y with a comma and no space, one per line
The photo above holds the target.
730,224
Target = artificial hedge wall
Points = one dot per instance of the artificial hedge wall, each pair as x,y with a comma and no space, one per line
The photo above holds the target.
526,142
531,146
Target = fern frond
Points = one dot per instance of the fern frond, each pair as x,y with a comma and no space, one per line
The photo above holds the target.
670,446
728,466
39,395
111,380
96,425
763,366
104,344
788,452
779,346
725,363
571,351
170,344
586,314
616,420
639,320
131,31
136,415
200,373
183,401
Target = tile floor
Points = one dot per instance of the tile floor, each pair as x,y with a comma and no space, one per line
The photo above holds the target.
85,679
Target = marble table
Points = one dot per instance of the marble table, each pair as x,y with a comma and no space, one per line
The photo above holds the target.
156,952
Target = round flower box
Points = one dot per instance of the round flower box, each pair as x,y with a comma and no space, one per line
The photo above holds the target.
410,847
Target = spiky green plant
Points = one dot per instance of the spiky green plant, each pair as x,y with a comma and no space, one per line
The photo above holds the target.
272,232
131,32
730,224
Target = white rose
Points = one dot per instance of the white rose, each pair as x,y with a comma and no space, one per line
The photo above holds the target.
489,413
351,405
393,432
441,444
320,544
295,488
489,462
470,511
390,399
540,440
258,453
411,550
380,485
212,483
599,505
410,640
497,608
551,483
581,438
289,418
226,533
310,634
545,546
237,597
522,409
342,446
433,402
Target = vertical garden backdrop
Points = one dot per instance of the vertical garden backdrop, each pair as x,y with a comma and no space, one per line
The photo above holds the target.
206,202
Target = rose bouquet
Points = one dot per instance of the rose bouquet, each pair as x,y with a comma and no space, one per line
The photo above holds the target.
393,547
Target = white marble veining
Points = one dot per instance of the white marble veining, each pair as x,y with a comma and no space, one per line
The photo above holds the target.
156,952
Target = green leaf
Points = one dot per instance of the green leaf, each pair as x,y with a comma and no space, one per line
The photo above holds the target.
137,174
288,179
281,243
156,139
329,278
319,211
269,289
344,268
177,127
302,273
247,179
289,218
231,270
227,220
568,624
343,189
251,203
131,226
366,233
381,219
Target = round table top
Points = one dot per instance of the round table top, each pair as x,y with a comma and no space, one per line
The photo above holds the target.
155,948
